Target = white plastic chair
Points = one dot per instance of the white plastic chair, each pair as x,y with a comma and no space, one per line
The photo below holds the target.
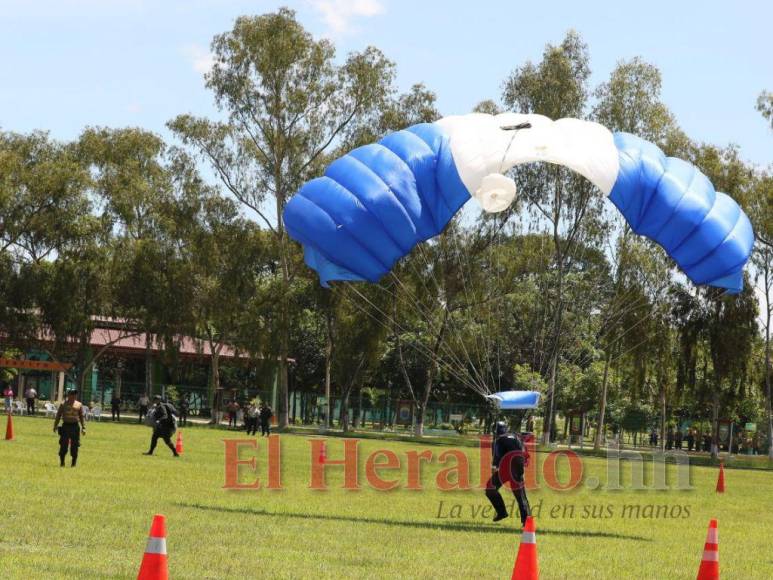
96,413
50,409
19,408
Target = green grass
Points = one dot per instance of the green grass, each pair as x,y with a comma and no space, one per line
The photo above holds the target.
92,521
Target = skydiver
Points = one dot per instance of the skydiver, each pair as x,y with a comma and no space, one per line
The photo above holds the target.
509,460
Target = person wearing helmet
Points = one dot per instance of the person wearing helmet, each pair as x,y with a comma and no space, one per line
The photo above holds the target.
509,459
164,424
70,413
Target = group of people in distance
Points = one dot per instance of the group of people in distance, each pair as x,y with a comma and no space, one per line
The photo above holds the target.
30,397
253,414
162,416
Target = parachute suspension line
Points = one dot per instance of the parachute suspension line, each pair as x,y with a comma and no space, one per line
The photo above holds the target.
415,305
642,302
416,346
473,326
431,356
429,317
456,333
499,320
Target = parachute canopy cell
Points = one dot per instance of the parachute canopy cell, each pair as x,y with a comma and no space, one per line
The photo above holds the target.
377,202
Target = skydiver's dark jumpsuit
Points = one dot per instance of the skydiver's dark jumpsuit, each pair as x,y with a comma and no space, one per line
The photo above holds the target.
501,447
164,427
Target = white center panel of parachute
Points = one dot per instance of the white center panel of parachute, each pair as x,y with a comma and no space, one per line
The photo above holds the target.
483,150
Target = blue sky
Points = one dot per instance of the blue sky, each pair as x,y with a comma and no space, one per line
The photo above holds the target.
71,63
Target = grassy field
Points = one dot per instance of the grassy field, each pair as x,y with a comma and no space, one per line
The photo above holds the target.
92,521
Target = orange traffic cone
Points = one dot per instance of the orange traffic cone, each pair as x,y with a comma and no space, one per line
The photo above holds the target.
179,444
526,565
721,478
322,454
9,428
154,562
709,569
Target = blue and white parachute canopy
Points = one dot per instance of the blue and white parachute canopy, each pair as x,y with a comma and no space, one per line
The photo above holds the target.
511,400
374,204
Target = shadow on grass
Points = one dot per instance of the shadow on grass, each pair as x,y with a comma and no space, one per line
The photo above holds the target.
452,527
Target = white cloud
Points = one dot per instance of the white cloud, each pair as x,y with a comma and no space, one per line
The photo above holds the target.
134,108
200,58
339,15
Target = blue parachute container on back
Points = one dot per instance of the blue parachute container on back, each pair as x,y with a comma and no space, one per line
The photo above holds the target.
374,204
513,400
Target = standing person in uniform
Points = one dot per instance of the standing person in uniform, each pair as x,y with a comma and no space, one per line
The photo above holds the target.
30,394
509,460
183,407
70,413
163,425
115,407
251,419
232,408
265,419
143,403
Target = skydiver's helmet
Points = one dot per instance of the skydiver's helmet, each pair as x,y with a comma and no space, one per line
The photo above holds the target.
500,428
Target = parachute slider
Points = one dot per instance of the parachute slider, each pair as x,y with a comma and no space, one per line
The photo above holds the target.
496,193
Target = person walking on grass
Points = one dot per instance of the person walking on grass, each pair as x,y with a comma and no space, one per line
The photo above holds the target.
509,462
232,408
30,394
70,413
163,415
183,406
251,419
115,407
265,419
142,403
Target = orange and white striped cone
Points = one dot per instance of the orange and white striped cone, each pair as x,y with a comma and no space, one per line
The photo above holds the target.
179,444
9,428
322,454
526,564
154,561
709,569
721,478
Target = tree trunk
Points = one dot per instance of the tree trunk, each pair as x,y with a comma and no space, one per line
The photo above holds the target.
556,342
715,423
662,416
344,417
328,367
768,312
357,409
432,371
118,381
550,418
148,365
284,329
602,404
215,395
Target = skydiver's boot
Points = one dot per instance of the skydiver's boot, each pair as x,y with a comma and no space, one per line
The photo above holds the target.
498,503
